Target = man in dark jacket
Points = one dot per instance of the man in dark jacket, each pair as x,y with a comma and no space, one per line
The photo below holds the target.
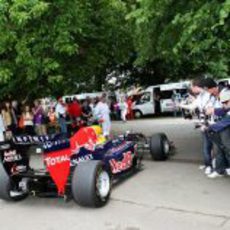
220,134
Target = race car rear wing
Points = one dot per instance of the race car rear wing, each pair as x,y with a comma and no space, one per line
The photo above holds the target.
47,142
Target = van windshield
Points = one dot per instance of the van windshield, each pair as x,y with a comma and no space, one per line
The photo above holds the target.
146,97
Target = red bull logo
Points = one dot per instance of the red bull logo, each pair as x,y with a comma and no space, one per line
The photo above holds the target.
124,164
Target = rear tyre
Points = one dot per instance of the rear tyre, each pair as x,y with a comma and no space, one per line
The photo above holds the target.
159,147
91,184
8,190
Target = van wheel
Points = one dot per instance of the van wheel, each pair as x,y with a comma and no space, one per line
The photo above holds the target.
138,114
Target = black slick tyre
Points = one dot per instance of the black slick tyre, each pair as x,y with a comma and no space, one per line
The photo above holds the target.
91,184
159,147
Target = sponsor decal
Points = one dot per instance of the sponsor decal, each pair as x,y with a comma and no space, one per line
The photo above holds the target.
78,160
18,169
119,148
52,161
85,137
27,139
58,165
55,145
124,164
11,156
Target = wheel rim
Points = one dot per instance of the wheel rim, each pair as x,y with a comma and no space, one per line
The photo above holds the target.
137,114
166,147
103,184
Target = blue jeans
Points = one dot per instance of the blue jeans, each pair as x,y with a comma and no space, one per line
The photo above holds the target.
207,149
63,126
222,141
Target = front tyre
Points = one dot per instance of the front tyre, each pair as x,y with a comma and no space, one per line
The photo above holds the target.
91,184
159,147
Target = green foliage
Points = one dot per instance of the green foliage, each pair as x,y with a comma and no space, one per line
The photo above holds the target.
49,47
55,47
186,36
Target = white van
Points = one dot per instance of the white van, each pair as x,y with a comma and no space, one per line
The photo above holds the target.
160,98
224,81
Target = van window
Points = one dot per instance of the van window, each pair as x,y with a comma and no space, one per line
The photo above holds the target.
182,92
167,94
146,97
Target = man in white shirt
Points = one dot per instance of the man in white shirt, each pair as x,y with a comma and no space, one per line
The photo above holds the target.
102,114
203,100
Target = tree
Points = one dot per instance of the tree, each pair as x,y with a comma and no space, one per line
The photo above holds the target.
184,36
50,47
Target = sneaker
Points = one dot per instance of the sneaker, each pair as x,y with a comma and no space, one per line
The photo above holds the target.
208,170
214,174
202,167
227,171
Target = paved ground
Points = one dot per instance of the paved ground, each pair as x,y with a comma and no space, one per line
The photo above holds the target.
180,131
164,195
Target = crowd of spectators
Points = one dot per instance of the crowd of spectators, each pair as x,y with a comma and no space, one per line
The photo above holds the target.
42,117
39,118
121,108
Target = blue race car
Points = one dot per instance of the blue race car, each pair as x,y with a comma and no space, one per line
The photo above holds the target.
82,167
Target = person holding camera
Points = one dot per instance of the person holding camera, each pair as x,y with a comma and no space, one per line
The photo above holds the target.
202,101
219,132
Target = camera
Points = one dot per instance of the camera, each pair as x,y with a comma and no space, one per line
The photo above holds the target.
203,120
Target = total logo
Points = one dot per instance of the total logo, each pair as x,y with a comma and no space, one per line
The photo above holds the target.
119,166
52,161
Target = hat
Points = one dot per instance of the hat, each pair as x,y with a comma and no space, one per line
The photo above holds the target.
224,95
209,83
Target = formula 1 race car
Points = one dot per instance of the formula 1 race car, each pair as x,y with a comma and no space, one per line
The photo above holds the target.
82,167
